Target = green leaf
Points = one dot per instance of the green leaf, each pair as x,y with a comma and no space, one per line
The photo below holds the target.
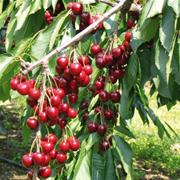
110,172
98,166
6,13
131,73
124,130
59,22
124,152
167,29
46,4
35,6
93,102
175,5
22,14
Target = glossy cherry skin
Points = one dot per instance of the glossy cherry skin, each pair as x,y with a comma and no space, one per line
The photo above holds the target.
77,8
72,113
116,52
104,145
13,83
55,100
83,60
64,146
38,158
84,17
88,69
101,129
92,127
32,123
45,172
64,107
103,95
53,154
62,123
46,160
47,146
42,117
52,112
128,36
27,160
61,157
74,143
52,138
115,96
63,61
95,49
34,93
73,98
75,69
23,88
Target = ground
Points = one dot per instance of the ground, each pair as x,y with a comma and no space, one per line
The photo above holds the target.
154,159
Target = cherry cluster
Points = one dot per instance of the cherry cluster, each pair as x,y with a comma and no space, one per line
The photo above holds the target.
49,14
85,18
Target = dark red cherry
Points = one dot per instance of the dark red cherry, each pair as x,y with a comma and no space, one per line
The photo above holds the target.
64,146
128,36
115,96
104,145
108,114
77,8
116,52
83,60
32,123
95,49
61,157
52,112
92,127
130,23
42,117
88,69
84,17
27,160
38,158
52,138
73,98
34,93
103,95
101,129
63,61
45,172
72,113
62,123
64,107
47,146
75,69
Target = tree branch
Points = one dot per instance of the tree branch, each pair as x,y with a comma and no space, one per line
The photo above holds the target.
121,5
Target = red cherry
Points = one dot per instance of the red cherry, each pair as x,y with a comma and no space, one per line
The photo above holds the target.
64,107
75,69
112,79
101,129
47,14
116,52
52,138
27,160
45,172
23,88
72,113
130,23
52,112
13,83
46,160
99,84
55,100
53,154
61,157
95,49
69,5
108,114
86,81
74,143
38,158
82,76
85,116
83,60
31,83
42,117
34,93
59,92
122,48
63,61
64,146
128,36
92,127
73,98
88,69
32,123
62,123
115,96
103,95
31,102
118,73
77,8
73,84
47,146
104,145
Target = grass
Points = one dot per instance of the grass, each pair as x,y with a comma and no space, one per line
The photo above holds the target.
154,155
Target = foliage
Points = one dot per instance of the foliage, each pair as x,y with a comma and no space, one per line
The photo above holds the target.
155,58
